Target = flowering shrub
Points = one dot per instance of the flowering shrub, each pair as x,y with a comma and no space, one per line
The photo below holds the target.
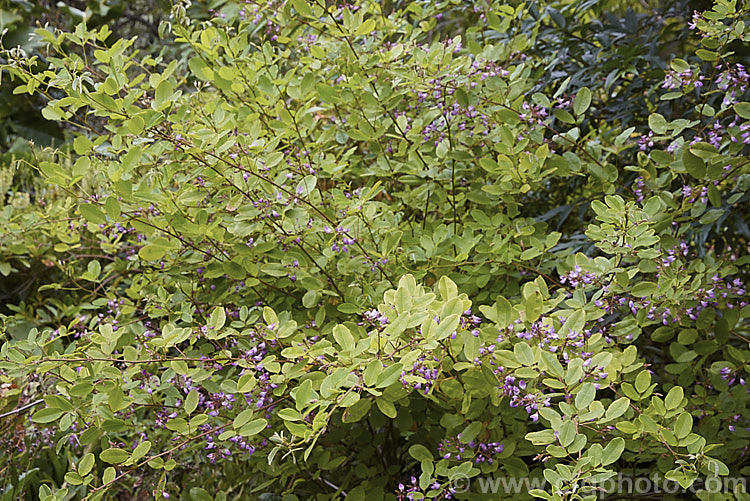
341,250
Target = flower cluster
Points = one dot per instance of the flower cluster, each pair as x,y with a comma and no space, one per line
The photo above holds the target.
729,292
578,277
520,395
411,490
735,78
543,331
374,318
420,376
342,239
475,450
673,254
691,195
682,79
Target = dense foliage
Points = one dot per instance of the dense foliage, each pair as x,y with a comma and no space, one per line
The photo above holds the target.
379,249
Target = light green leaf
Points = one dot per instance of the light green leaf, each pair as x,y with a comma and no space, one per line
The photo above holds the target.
674,398
162,95
114,456
657,123
523,353
217,319
420,453
140,451
47,415
152,252
92,213
582,101
617,408
303,8
585,396
365,28
644,289
470,432
253,428
343,337
86,464
191,401
743,110
613,451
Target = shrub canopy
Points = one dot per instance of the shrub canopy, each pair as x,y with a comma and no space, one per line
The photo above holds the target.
317,250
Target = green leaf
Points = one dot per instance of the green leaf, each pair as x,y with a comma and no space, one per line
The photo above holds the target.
152,252
552,363
109,475
617,408
613,451
574,323
288,414
488,164
246,383
217,319
642,381
357,411
420,453
140,451
564,116
365,28
743,110
93,270
674,398
191,401
86,464
505,313
372,371
112,207
447,326
389,375
644,289
343,337
102,56
303,395
585,396
695,165
582,101
114,456
566,433
82,144
327,93
470,432
682,477
242,418
136,125
683,425
164,92
707,55
533,306
89,436
92,213
711,216
523,353
47,415
303,8
538,493
73,478
648,423
657,123
253,428
679,65
387,408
